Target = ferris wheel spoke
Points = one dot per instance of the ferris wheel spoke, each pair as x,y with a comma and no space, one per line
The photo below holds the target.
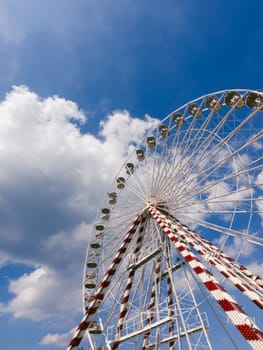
202,175
184,139
154,156
222,198
241,197
159,156
213,168
245,203
228,231
223,180
188,137
247,211
139,194
166,168
235,198
202,152
140,184
138,180
196,142
200,142
213,153
235,130
162,164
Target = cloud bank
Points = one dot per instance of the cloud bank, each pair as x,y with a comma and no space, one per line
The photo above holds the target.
52,180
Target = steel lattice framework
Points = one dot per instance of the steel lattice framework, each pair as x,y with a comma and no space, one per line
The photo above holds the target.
177,244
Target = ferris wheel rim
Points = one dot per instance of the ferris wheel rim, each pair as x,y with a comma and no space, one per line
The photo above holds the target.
202,98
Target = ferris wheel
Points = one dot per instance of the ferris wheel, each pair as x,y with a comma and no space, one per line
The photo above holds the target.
176,249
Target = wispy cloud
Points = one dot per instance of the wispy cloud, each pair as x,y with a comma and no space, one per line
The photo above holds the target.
57,339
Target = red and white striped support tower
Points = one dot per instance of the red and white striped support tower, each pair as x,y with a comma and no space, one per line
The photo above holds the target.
152,302
124,303
103,287
175,255
239,318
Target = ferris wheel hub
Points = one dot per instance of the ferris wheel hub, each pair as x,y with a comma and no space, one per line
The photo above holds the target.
152,202
160,205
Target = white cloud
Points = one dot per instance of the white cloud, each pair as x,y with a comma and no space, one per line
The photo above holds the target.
259,180
221,196
259,204
57,339
256,267
120,130
235,247
52,180
42,294
52,177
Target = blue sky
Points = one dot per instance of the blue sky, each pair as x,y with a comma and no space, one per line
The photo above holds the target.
74,63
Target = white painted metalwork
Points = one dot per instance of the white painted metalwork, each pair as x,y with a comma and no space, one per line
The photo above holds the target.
202,168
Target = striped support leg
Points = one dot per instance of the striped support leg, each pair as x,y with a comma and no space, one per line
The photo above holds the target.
126,296
170,311
196,241
238,317
103,287
241,271
150,309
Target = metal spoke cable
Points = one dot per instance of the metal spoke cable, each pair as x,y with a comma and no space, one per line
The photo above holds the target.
215,151
185,136
227,231
205,141
204,147
211,184
218,147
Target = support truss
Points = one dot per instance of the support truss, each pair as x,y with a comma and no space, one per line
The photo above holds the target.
104,286
183,238
252,334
